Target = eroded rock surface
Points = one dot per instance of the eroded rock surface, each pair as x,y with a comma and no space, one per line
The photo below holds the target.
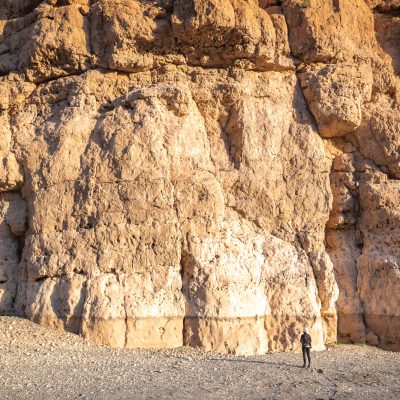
212,173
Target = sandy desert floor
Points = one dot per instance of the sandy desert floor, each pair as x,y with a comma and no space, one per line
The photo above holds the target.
38,363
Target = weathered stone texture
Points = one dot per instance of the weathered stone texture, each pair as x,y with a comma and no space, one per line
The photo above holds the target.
165,179
379,261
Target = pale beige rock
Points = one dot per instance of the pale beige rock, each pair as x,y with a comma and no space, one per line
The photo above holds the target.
142,197
104,312
256,290
177,187
57,302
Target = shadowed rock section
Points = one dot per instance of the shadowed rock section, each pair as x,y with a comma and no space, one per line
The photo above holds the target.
213,173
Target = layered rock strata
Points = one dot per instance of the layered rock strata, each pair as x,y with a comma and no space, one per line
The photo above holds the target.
213,173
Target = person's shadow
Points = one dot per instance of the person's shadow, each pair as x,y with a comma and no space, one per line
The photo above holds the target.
256,362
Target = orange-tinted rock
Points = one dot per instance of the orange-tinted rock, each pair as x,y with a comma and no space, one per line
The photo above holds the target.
215,173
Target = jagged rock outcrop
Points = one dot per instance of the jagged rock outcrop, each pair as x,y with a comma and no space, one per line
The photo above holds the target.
214,173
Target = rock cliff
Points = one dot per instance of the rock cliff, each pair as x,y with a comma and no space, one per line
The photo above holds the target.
213,173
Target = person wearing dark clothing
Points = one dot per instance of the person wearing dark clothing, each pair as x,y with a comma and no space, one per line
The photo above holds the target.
305,341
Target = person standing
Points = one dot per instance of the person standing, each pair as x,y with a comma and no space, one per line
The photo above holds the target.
305,341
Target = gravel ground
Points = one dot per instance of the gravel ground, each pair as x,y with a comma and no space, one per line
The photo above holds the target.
38,363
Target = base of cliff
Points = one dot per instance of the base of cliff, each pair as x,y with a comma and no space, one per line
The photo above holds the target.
39,363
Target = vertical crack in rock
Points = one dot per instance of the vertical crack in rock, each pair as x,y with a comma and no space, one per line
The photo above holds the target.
184,291
83,302
232,137
126,318
18,273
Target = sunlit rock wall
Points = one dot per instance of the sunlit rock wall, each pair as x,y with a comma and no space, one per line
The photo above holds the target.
212,173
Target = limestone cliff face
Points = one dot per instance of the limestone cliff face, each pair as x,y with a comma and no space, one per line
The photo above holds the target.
213,173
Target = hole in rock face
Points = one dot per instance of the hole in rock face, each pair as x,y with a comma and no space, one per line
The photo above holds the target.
61,3
269,3
183,271
20,246
336,5
88,222
168,5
